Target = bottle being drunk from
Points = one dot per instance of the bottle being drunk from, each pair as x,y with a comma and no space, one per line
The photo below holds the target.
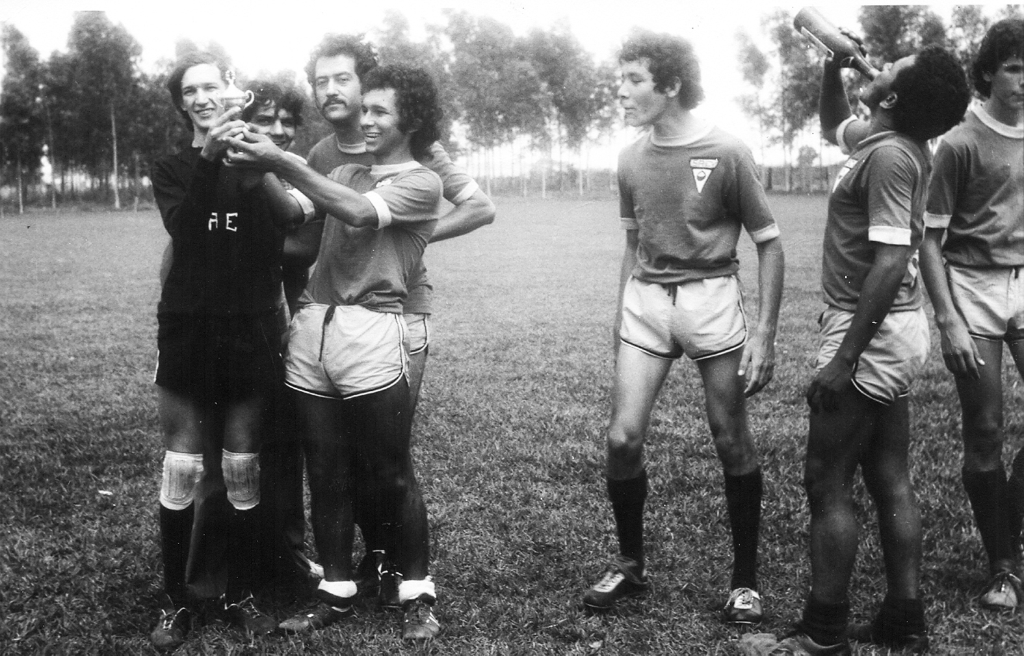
827,38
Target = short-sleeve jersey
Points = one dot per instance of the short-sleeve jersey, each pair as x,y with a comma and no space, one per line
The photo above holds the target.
977,192
459,186
226,246
687,202
371,266
878,197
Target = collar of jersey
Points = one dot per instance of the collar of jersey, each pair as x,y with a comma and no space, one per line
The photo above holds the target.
350,149
391,169
683,140
999,128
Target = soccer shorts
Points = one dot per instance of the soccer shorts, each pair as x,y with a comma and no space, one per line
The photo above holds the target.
893,358
217,359
418,331
344,351
701,318
991,301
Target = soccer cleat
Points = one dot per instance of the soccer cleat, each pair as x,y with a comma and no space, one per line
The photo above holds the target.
795,644
368,573
172,628
419,622
316,618
743,607
914,643
1004,592
390,579
246,616
624,577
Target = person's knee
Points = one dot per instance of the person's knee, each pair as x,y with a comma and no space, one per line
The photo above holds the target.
181,474
983,436
242,479
624,442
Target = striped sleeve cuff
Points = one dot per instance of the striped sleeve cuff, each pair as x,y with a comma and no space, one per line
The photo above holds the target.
383,212
766,233
937,220
308,211
841,135
889,235
629,223
465,194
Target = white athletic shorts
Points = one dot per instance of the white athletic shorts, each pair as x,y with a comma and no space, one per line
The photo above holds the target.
893,358
701,318
344,351
991,301
418,330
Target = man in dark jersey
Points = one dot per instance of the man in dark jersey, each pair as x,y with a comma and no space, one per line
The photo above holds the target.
972,262
219,362
873,341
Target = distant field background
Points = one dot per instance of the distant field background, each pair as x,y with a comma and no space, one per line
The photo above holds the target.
509,446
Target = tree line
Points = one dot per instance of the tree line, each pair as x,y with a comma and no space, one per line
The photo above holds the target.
783,83
510,96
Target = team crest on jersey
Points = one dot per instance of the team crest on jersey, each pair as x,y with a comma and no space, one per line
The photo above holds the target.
383,182
702,168
847,167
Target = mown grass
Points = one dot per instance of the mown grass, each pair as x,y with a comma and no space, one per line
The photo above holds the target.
509,447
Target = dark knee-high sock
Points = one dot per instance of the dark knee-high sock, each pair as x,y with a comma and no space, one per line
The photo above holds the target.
743,498
627,497
243,550
175,541
1015,501
988,496
825,624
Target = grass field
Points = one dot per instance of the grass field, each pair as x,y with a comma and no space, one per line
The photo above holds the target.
509,448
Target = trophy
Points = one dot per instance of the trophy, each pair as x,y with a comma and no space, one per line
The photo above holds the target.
233,96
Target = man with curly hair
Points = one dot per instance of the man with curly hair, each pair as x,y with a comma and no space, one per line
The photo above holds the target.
972,262
346,357
873,341
334,70
686,190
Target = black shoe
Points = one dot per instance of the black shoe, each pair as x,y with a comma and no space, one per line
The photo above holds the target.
624,577
246,616
390,579
419,622
316,618
368,573
175,623
916,643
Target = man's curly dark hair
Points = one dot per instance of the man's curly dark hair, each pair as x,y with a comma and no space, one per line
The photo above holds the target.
266,92
669,58
185,62
419,108
1003,40
352,45
931,95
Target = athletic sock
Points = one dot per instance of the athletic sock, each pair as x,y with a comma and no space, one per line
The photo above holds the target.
175,542
743,499
987,493
900,618
627,497
1015,502
823,623
243,547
